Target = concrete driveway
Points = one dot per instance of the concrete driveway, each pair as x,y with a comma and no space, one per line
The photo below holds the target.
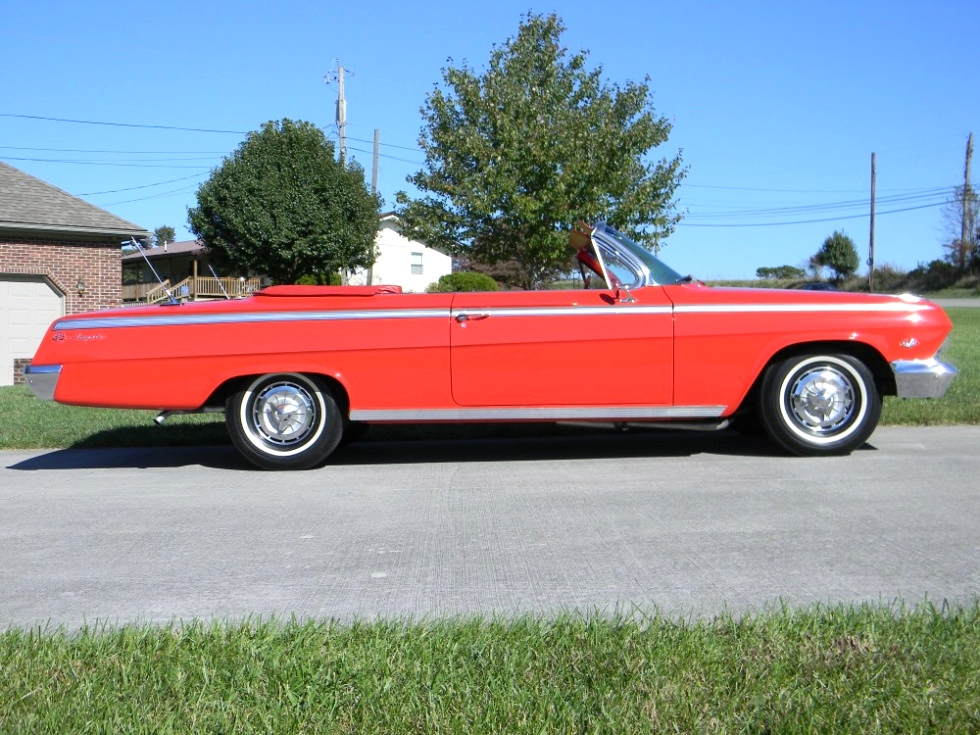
959,303
683,523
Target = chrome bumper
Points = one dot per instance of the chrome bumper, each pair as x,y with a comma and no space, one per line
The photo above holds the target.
42,379
922,378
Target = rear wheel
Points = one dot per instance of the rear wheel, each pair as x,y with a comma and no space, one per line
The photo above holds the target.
284,421
817,404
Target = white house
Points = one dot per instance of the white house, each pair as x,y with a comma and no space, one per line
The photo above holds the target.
402,262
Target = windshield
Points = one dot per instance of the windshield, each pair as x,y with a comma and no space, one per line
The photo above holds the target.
625,251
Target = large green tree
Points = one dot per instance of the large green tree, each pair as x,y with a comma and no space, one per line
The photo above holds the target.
839,254
282,205
515,156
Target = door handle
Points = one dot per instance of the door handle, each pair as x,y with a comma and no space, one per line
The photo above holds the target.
471,317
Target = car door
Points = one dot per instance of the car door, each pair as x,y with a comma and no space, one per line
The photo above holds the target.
562,348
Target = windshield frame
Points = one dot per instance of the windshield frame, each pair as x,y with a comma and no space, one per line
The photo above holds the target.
650,270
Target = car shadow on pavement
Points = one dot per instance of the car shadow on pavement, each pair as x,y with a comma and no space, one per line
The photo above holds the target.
413,445
75,458
583,445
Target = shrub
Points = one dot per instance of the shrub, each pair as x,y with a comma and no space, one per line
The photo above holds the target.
319,279
889,278
463,281
934,277
780,272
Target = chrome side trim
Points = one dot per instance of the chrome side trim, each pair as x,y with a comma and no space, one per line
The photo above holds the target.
173,320
542,413
169,319
562,310
42,380
901,307
922,378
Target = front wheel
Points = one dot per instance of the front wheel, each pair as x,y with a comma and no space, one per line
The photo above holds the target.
284,421
815,404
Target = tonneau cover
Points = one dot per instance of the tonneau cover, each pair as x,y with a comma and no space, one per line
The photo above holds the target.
327,290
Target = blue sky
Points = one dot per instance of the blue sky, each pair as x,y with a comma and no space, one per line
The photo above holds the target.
777,106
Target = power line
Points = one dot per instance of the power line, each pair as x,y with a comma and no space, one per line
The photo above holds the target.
769,191
389,145
383,155
91,150
111,162
144,186
153,127
805,222
907,196
161,195
124,125
783,191
925,194
120,164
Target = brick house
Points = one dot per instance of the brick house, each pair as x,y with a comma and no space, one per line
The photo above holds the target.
58,255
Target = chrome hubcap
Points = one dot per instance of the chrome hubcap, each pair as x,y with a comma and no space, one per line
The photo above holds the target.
822,400
284,414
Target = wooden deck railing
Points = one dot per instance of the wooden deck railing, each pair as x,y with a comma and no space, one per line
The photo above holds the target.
138,291
191,289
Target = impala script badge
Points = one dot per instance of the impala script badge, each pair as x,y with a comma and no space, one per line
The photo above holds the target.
77,337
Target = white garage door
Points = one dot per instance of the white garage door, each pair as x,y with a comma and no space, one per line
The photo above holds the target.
27,306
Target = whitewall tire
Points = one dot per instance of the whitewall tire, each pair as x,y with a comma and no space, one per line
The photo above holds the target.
819,404
284,421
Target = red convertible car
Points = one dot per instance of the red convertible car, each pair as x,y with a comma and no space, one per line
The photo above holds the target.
292,367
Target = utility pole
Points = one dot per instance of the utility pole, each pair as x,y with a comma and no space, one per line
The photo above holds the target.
341,110
342,115
374,166
374,190
965,235
871,257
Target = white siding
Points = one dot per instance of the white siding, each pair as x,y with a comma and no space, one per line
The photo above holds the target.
395,261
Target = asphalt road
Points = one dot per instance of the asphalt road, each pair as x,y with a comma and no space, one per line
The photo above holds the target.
687,524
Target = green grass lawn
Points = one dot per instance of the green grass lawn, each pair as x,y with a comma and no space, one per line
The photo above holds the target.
868,669
32,424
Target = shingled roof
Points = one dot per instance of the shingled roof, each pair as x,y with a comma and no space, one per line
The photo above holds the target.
31,206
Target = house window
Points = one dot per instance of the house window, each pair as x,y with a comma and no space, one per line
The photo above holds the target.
416,264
